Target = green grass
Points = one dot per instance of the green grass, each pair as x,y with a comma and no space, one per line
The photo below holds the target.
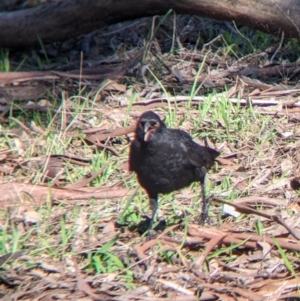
238,125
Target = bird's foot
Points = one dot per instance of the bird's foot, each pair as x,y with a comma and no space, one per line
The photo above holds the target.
205,219
151,234
202,219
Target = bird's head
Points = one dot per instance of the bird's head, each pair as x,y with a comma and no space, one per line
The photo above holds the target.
148,123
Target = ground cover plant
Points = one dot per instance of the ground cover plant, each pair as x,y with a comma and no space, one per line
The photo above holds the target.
73,218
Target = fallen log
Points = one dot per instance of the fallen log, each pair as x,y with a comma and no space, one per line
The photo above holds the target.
60,20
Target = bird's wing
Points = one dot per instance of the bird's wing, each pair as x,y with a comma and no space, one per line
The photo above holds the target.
204,155
198,155
134,155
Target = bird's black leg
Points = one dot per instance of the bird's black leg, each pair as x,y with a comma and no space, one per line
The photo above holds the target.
153,207
205,205
205,201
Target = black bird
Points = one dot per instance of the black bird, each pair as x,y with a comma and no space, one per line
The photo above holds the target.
168,159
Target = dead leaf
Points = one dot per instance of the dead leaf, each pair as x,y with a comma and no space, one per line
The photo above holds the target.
110,85
39,194
81,223
286,166
31,217
103,134
55,164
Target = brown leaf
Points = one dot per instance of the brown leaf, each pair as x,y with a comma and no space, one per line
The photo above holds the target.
103,134
55,164
13,194
9,256
110,85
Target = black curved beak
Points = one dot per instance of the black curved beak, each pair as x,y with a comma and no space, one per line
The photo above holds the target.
147,130
147,127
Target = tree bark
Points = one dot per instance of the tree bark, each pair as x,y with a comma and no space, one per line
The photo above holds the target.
60,20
